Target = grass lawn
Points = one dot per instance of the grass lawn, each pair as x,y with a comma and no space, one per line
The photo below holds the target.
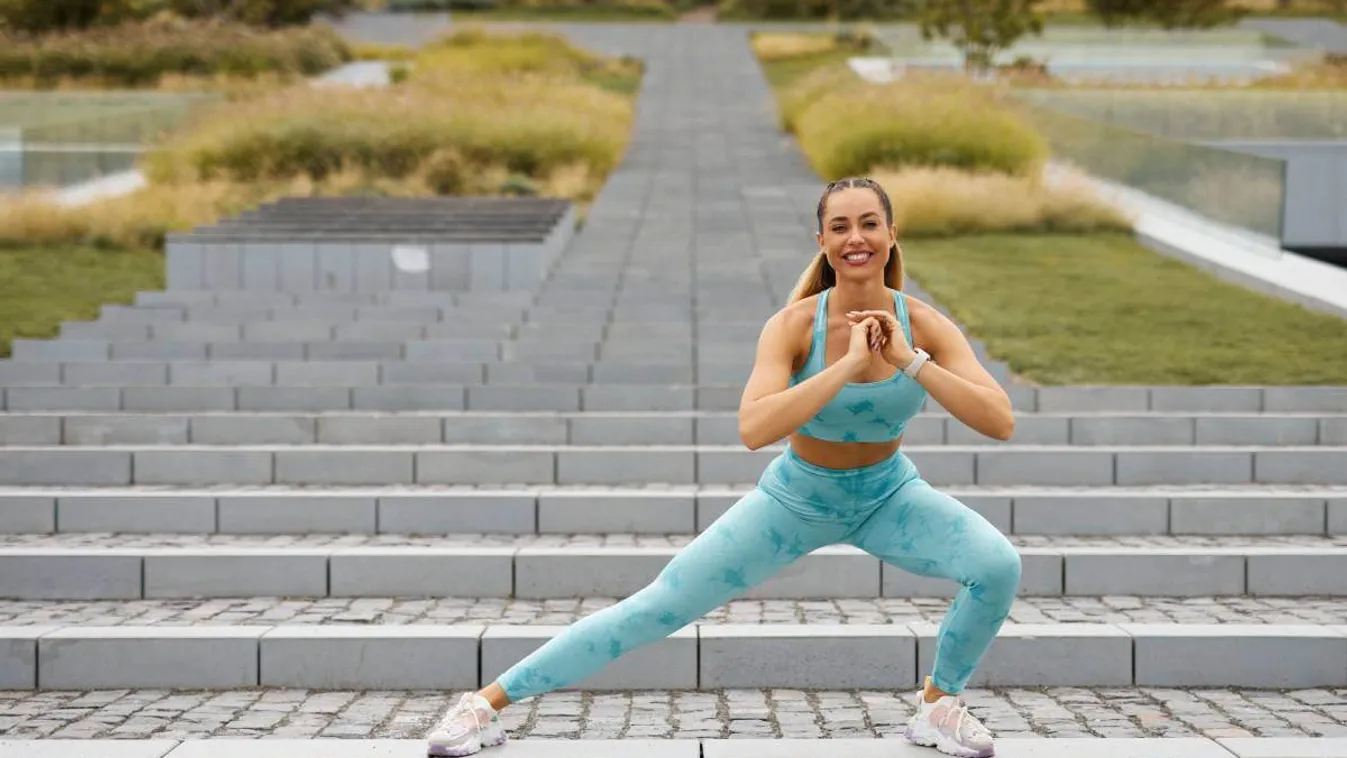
1102,309
40,288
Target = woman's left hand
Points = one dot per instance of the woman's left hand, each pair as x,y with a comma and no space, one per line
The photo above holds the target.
893,347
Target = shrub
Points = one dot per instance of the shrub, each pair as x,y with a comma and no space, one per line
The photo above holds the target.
141,54
42,16
942,201
941,121
523,125
845,10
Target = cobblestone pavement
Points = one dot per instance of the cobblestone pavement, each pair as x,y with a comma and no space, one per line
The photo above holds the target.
467,540
379,611
777,713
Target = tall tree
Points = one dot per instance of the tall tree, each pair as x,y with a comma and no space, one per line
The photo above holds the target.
979,28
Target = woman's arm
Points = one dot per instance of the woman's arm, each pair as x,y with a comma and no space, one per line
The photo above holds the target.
956,380
770,409
953,376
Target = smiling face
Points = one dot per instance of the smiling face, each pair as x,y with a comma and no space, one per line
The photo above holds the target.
857,236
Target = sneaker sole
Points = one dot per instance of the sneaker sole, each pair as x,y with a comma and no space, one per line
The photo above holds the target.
956,750
494,740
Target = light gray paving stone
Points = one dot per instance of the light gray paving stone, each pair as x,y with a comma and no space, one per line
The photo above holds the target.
30,430
1103,514
1062,466
1054,399
569,572
1100,571
296,399
667,663
297,513
1299,466
408,398
1310,572
1285,747
120,657
160,512
252,430
422,572
69,575
1246,515
354,657
150,429
169,399
571,512
344,466
60,350
738,656
63,399
103,372
1337,515
23,514
1254,430
1015,747
1134,430
1213,399
12,372
1149,467
202,466
510,513
518,466
1216,656
18,656
235,573
1305,399
636,465
77,748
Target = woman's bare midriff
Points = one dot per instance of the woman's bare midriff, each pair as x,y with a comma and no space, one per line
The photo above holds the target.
842,455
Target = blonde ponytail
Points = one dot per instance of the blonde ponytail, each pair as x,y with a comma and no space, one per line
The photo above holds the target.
819,275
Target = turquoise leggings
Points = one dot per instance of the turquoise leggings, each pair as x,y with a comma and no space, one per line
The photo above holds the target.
885,509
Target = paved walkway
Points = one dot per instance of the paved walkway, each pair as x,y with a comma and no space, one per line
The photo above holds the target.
680,716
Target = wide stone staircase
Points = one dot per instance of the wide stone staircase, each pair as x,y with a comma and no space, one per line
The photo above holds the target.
405,487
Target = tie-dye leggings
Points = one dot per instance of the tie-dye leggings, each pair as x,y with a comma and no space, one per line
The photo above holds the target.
886,509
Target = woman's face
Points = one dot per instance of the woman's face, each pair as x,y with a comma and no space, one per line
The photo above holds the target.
855,236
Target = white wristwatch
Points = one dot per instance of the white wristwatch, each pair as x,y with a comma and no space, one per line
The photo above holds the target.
917,363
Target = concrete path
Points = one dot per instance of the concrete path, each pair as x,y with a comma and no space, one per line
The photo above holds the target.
891,748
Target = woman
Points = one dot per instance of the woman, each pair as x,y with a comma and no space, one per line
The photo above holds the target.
840,371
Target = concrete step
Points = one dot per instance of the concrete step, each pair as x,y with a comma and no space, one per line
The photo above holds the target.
126,566
640,428
696,657
684,509
750,747
539,385
337,392
941,465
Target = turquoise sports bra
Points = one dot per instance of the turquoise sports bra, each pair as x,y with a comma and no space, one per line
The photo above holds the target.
861,411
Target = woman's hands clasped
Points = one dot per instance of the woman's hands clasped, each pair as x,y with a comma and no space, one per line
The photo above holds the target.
888,340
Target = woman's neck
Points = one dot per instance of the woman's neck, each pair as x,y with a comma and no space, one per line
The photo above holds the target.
862,296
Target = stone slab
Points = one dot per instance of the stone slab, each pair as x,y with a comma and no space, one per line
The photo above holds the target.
59,748
1286,747
380,657
157,657
1026,747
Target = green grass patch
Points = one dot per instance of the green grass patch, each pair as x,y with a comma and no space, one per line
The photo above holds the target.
40,288
1102,309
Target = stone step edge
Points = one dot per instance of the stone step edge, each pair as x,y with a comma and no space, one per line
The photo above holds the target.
694,657
888,747
701,747
1108,510
638,415
768,451
832,572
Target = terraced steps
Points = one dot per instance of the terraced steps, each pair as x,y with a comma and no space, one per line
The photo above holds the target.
941,465
568,566
674,509
699,656
1192,747
84,428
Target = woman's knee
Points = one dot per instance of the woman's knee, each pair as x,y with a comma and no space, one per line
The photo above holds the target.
999,569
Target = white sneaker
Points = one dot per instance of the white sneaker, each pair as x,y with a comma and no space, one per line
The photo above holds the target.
947,726
467,728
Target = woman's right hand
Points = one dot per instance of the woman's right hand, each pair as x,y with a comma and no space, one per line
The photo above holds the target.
865,336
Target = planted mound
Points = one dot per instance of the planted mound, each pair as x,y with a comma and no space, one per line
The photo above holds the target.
850,128
481,116
141,54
